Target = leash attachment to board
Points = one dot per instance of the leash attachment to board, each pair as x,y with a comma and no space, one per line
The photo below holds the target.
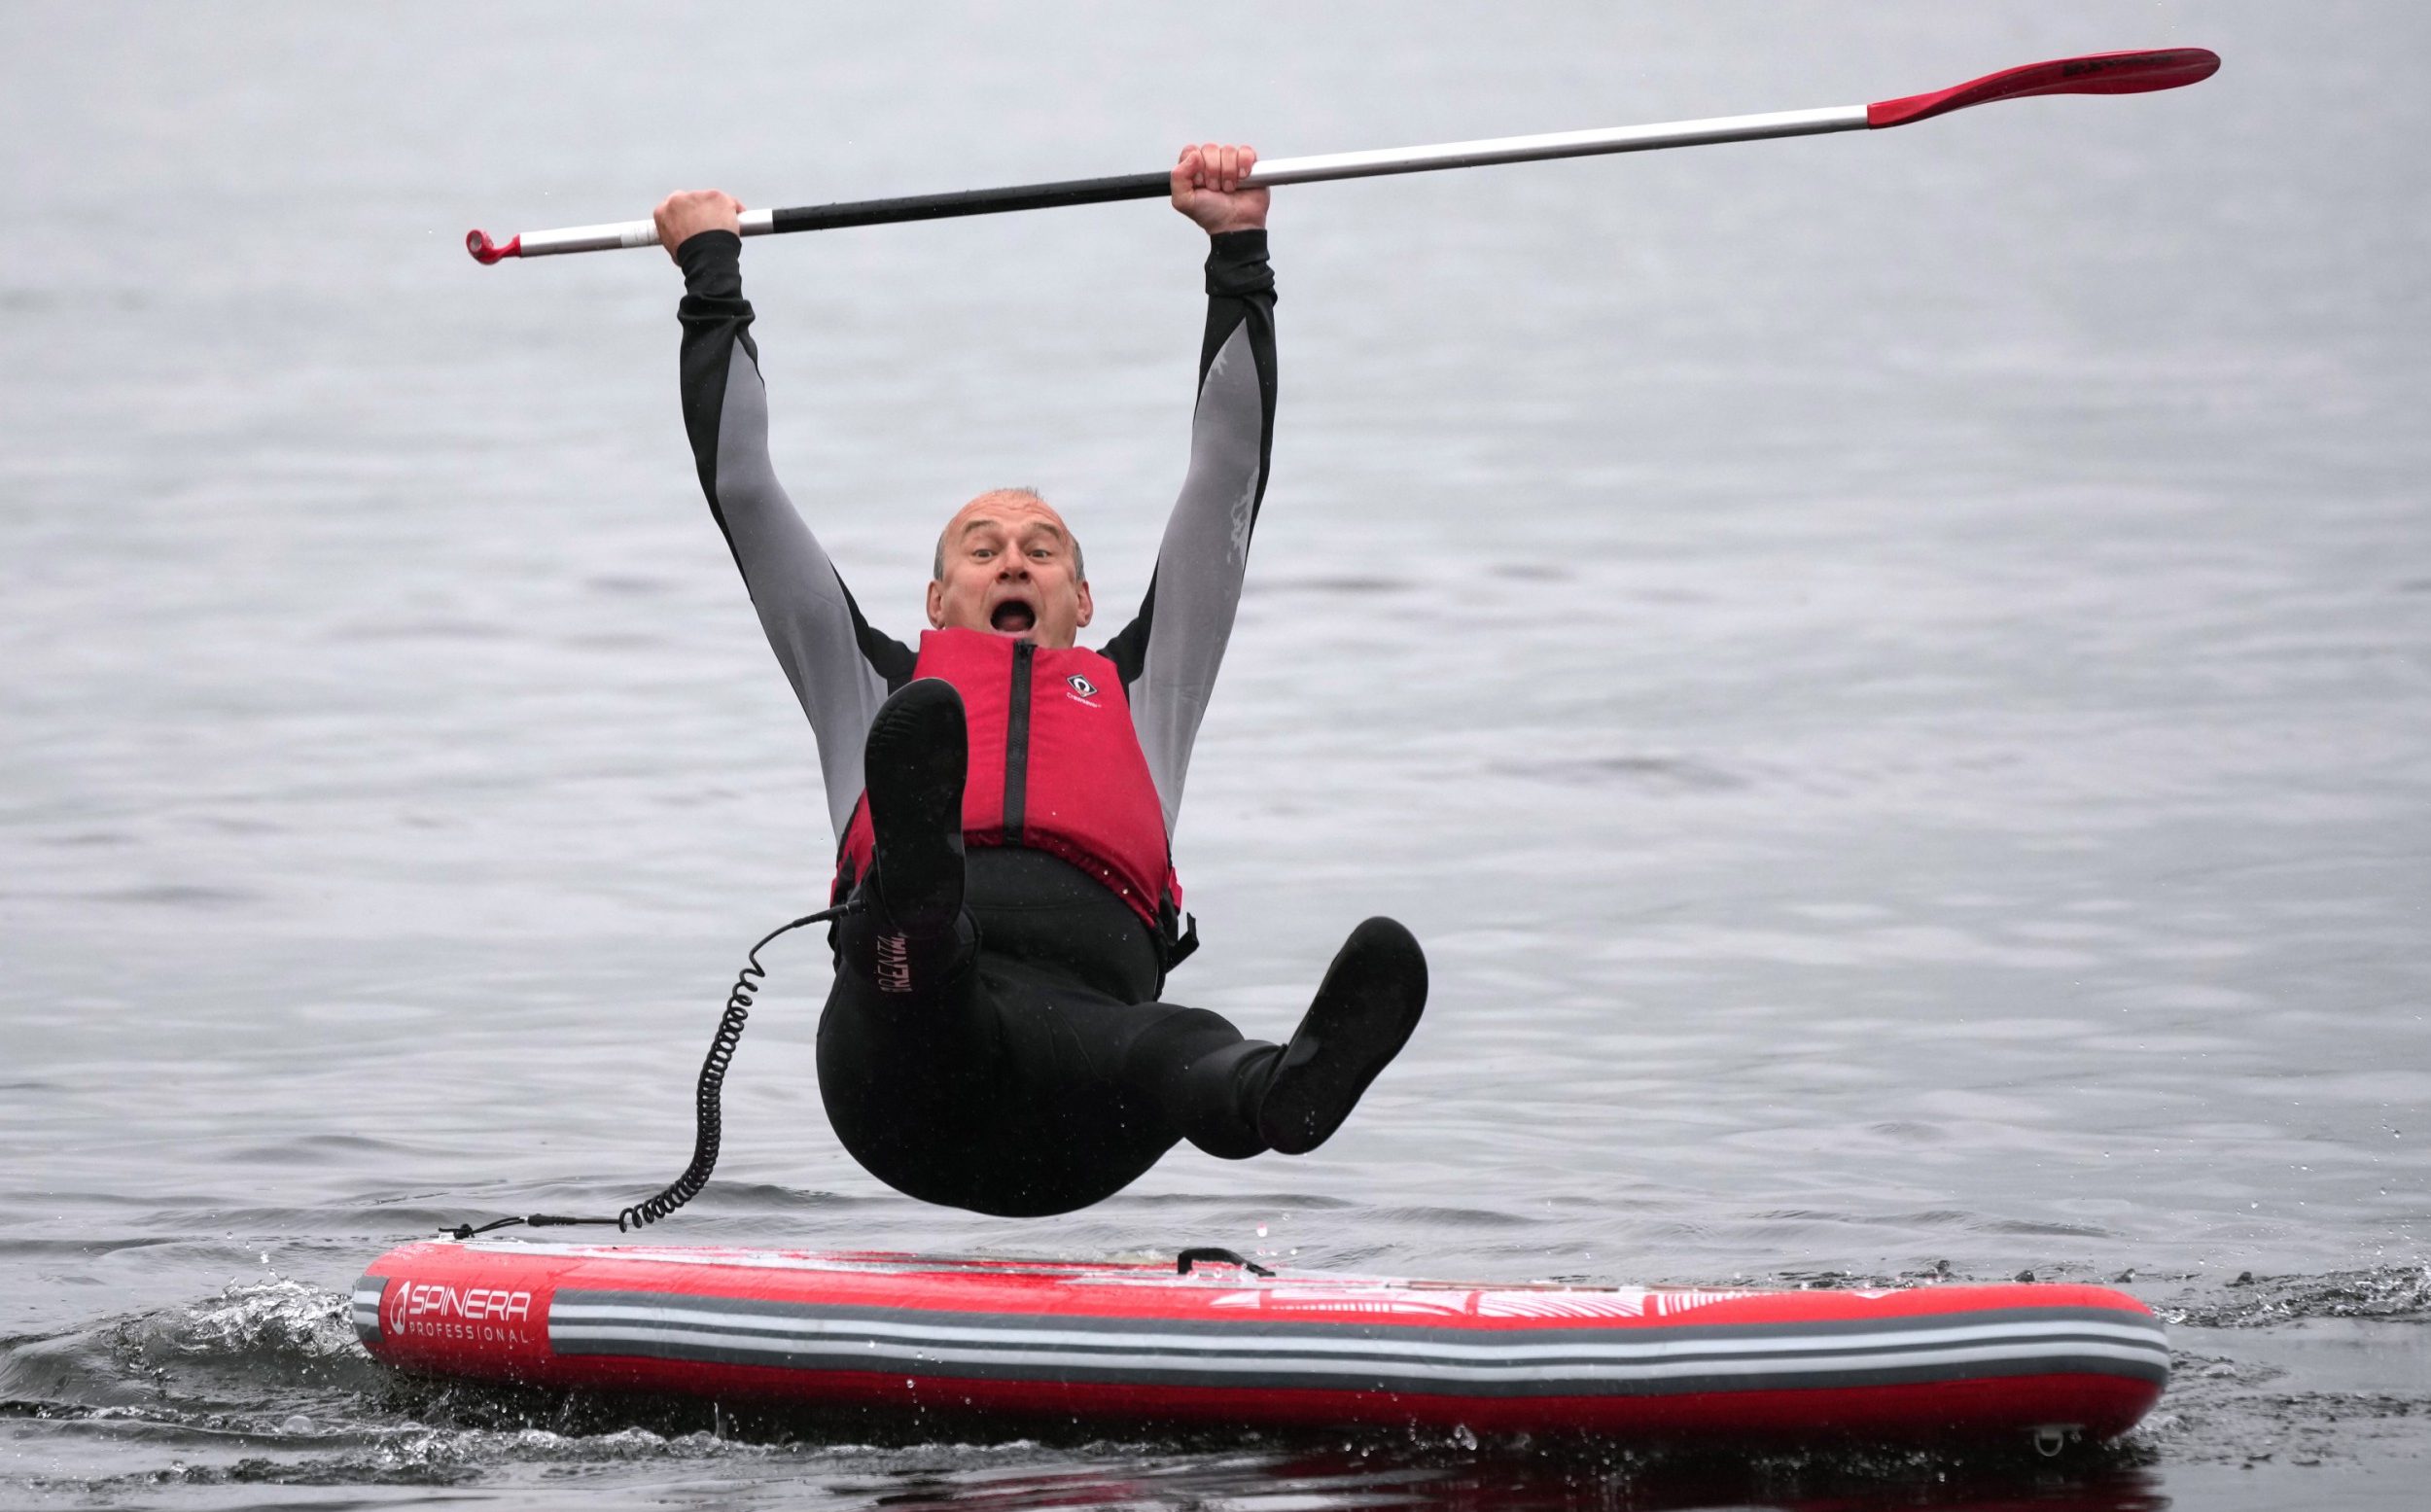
1209,1254
708,1117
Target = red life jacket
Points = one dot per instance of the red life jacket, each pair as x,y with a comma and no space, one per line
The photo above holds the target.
1055,764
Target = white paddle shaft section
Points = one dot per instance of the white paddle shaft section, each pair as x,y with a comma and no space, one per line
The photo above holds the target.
1558,144
618,235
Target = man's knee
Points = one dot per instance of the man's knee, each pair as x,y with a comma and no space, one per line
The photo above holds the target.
1177,1036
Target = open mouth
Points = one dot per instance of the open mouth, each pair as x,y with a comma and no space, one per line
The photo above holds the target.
1013,617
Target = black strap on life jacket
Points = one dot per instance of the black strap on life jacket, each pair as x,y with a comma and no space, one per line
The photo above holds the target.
1177,932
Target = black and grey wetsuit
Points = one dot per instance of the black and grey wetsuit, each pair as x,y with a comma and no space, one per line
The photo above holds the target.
1039,1077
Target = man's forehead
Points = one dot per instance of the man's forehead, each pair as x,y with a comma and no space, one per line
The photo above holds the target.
1019,516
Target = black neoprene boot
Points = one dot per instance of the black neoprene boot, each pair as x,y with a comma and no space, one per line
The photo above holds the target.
914,764
1360,1018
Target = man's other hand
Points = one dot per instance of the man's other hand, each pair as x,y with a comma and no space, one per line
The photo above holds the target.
689,212
1207,188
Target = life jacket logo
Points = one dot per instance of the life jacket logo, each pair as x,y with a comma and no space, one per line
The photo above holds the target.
1081,686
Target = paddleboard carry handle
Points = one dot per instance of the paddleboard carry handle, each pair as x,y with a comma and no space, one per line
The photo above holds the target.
1209,1254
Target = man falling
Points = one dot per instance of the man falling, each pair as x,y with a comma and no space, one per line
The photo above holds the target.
1006,799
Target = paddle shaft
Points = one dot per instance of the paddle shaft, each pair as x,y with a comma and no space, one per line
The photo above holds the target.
1155,186
2109,73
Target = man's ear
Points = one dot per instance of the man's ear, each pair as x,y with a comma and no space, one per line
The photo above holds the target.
1086,607
937,605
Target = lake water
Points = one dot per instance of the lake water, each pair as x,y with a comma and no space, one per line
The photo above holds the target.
1891,674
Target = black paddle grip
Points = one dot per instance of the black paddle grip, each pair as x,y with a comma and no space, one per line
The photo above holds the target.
970,202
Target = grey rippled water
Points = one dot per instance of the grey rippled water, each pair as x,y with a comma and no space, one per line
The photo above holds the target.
1891,675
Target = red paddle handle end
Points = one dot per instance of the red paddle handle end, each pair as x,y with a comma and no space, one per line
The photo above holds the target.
485,251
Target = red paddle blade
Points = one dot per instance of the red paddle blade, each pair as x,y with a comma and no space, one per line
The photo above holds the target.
2100,73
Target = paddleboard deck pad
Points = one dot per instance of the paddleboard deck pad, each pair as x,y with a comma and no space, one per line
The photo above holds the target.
1137,1343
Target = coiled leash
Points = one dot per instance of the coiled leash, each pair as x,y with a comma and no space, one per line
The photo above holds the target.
707,1119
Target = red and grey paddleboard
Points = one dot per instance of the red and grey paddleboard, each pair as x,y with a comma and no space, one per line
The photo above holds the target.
1139,1343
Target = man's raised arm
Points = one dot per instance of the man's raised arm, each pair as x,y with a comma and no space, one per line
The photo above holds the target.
1169,656
841,668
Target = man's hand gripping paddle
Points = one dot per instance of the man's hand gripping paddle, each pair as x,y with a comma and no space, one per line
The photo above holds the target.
2099,73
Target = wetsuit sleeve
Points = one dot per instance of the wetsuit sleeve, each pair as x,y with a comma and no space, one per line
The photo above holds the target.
1169,654
841,670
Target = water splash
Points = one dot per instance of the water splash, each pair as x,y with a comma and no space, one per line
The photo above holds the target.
2388,1293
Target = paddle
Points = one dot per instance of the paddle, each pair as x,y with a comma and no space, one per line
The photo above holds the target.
2100,73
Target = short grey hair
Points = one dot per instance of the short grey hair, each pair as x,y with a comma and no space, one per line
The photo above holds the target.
1080,564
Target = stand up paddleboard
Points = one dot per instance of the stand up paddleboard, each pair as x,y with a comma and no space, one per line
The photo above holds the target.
1222,1343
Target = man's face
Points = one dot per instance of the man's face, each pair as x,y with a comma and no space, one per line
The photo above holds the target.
1009,570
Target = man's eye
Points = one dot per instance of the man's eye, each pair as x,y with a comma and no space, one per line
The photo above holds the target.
984,552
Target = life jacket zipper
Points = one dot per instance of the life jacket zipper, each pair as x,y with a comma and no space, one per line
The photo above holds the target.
1017,741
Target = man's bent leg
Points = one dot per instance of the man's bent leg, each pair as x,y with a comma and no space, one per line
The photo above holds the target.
911,933
1235,1097
914,762
1196,1070
907,1033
